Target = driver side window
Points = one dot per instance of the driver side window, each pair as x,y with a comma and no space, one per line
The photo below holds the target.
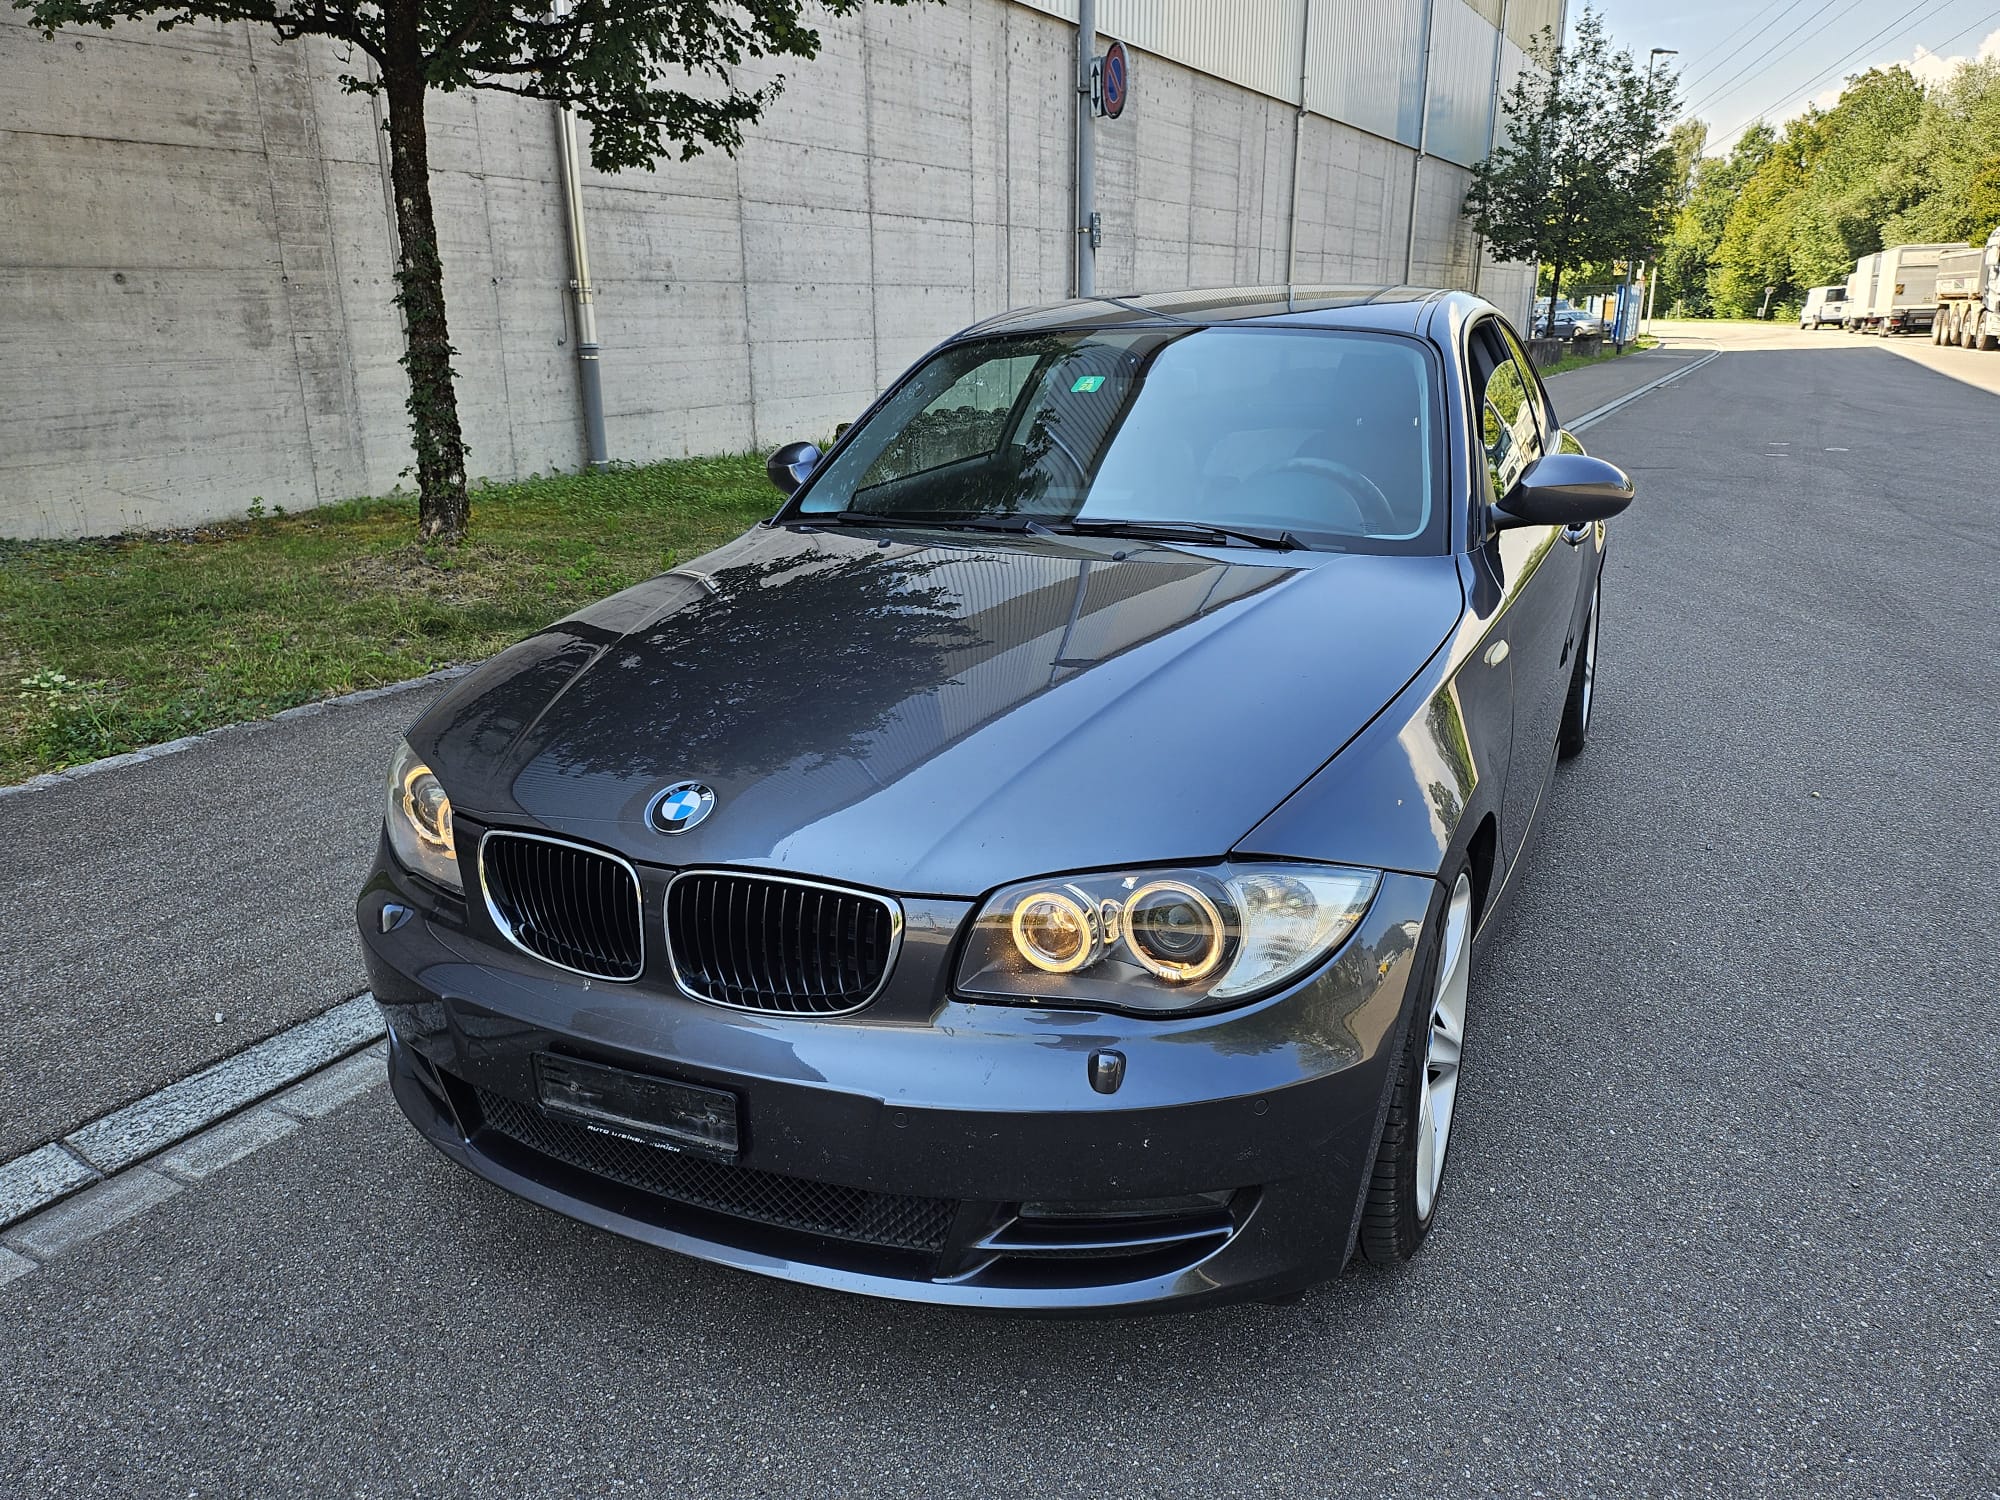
1510,427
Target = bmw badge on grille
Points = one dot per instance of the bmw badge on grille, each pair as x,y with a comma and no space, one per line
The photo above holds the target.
680,807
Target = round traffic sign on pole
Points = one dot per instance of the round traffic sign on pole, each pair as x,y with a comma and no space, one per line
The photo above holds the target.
1113,81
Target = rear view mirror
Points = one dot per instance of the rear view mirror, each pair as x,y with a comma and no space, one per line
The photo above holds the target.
1566,489
792,465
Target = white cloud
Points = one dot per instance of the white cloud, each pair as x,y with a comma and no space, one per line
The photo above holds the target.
1925,66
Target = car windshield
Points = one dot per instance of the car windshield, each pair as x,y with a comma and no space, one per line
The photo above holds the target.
1273,436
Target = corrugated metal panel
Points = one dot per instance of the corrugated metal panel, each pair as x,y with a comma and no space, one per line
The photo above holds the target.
1461,82
1251,42
1512,63
1526,17
1364,65
1364,58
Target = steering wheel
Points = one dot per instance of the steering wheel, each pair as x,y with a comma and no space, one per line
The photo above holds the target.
1374,507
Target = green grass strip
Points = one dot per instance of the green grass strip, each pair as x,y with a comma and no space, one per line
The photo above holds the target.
110,645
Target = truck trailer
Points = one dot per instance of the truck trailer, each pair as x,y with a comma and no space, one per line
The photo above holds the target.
1860,292
1968,297
1902,295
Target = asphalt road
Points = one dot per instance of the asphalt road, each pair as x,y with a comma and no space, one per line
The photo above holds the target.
1721,1214
149,900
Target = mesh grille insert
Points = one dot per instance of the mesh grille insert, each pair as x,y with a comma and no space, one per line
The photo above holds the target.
774,945
890,1220
569,904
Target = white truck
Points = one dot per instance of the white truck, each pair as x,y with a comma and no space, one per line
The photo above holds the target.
1860,292
1902,291
1968,297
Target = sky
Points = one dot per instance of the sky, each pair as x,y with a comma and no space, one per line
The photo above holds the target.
1742,59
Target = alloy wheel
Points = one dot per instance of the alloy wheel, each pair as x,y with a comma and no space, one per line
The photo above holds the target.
1444,1045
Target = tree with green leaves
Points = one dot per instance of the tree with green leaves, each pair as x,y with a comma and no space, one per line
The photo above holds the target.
1584,170
648,76
1687,258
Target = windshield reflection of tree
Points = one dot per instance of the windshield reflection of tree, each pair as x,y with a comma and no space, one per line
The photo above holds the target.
1035,458
753,678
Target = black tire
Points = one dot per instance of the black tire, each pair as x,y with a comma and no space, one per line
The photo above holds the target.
1582,697
1392,1226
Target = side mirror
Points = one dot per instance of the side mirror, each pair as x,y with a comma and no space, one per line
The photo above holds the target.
1565,489
792,465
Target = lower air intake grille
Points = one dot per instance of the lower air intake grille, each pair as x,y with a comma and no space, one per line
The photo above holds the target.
570,904
759,943
889,1220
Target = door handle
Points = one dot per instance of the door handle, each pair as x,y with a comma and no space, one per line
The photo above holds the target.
1575,535
1496,653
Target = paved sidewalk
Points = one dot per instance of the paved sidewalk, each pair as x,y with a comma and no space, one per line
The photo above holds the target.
1578,391
149,898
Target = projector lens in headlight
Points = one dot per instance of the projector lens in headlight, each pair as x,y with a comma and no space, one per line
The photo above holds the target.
1058,932
1174,930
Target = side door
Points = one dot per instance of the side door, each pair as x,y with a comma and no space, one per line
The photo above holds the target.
1535,573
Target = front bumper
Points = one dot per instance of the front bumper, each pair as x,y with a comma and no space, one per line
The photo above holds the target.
924,1149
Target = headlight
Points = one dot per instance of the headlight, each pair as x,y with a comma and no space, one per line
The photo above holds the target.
419,820
1162,941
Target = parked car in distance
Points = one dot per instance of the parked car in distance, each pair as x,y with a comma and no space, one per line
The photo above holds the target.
1824,305
1043,866
1567,323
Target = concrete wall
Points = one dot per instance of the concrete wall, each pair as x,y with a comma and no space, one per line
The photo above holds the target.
196,254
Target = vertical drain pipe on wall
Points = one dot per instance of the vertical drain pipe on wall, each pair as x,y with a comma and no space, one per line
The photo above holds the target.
1086,150
1492,129
587,369
1298,148
1423,144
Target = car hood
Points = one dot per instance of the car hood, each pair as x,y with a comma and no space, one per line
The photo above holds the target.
938,714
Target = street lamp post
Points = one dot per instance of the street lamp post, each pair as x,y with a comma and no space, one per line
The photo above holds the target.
1632,260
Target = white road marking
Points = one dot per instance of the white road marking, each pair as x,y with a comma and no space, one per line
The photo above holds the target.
1598,414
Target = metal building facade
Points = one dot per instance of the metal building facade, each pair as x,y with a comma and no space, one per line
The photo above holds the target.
1417,72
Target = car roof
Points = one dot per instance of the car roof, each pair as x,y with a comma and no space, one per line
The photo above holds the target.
1385,309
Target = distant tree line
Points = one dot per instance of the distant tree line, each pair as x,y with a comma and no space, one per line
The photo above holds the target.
1893,163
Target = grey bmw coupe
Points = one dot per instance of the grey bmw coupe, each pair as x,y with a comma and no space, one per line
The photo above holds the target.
1042,866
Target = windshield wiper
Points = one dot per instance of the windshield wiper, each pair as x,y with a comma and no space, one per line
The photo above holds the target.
1206,532
917,518
1280,540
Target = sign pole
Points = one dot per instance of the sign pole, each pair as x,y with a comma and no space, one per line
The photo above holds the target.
1086,149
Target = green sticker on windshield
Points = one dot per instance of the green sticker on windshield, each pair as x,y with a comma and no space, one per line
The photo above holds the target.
1088,383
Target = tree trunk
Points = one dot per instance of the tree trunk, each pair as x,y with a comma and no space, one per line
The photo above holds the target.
443,508
1555,286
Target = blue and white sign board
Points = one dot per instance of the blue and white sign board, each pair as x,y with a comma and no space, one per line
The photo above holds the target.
1628,312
